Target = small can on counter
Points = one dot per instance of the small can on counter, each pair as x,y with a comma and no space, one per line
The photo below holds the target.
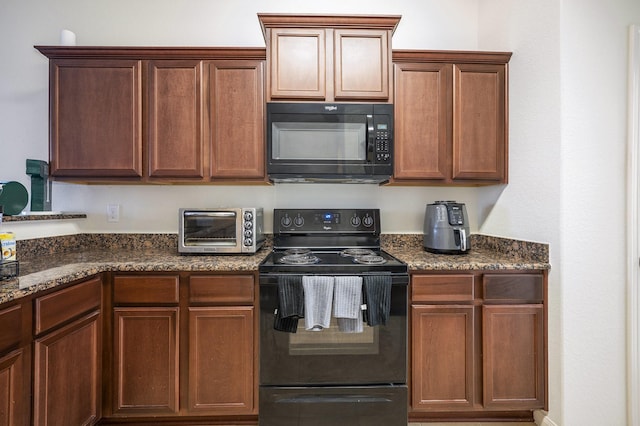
8,242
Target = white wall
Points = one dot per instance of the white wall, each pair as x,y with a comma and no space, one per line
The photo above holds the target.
568,117
567,121
529,205
594,95
23,101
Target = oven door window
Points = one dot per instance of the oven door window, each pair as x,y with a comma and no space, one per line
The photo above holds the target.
213,229
335,141
332,341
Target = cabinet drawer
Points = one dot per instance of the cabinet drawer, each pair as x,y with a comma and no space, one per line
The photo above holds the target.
10,327
221,288
146,289
56,308
436,288
513,288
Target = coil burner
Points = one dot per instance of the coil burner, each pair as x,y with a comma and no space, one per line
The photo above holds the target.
357,252
299,259
297,251
370,259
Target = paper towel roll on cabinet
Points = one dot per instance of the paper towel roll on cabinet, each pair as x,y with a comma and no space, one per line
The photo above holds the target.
446,228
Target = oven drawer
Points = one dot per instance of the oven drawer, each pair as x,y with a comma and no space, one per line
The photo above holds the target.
331,406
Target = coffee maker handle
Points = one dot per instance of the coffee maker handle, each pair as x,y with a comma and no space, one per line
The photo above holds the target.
463,240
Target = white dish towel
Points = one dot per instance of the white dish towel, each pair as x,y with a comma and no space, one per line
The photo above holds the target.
318,295
347,302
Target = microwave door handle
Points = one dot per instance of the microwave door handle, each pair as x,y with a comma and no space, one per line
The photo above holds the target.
370,139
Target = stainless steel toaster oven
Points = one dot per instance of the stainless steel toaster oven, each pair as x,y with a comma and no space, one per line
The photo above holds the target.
221,230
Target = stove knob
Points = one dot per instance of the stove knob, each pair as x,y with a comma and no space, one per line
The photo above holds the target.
368,221
298,221
285,221
355,221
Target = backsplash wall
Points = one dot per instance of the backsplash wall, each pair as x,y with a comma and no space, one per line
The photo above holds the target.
154,209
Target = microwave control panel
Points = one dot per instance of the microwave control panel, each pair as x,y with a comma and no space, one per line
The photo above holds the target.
383,153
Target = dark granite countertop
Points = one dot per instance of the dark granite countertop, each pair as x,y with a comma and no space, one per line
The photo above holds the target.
61,260
31,216
38,274
487,253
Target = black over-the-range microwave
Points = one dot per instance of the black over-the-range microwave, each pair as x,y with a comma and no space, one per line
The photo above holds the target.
329,142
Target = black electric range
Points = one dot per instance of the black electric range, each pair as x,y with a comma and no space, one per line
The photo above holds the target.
331,377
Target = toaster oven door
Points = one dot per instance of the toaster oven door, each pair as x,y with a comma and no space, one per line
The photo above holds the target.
211,231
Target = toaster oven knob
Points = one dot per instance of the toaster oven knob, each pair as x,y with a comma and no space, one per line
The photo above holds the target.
248,225
248,233
248,216
248,242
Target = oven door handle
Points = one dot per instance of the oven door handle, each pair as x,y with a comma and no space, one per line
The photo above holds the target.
328,399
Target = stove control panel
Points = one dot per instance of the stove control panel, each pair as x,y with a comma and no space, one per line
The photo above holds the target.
326,220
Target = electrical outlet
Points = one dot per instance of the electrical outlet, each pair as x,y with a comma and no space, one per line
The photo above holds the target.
113,212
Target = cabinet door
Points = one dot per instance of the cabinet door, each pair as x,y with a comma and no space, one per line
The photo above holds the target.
422,121
221,360
67,374
175,131
236,122
14,388
442,373
361,65
513,357
479,122
145,361
298,63
95,118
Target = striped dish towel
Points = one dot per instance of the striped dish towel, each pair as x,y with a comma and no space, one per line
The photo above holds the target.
347,300
318,295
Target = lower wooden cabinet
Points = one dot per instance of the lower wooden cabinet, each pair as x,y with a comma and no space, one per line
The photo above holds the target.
183,346
67,374
67,371
442,366
14,388
145,361
15,365
513,357
478,344
221,355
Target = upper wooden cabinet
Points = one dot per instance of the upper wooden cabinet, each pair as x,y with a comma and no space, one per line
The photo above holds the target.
328,58
156,114
175,119
236,119
95,117
451,122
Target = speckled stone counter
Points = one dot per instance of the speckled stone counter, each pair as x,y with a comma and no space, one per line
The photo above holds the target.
61,260
25,217
49,262
487,253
